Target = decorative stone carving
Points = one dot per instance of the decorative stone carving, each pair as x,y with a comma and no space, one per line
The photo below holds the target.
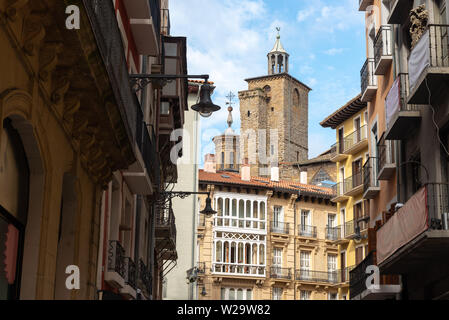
11,11
33,34
419,17
48,60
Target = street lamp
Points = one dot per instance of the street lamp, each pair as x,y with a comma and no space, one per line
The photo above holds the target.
166,196
204,107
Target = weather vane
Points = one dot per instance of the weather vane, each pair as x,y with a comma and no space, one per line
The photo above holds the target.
230,97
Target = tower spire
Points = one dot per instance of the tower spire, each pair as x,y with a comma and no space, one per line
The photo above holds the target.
230,120
278,57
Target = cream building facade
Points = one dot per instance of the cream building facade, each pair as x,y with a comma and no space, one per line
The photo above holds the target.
268,240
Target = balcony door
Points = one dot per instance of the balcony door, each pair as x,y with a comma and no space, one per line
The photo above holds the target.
331,226
332,267
277,261
358,130
305,265
357,173
343,266
278,219
341,143
305,222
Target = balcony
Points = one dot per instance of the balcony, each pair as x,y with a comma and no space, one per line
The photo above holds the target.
145,278
428,66
240,269
353,185
417,234
383,50
389,285
363,4
370,183
166,233
368,80
280,273
356,141
339,190
349,230
145,21
333,233
280,227
399,11
129,289
339,154
307,231
343,275
386,160
401,117
306,275
141,176
115,274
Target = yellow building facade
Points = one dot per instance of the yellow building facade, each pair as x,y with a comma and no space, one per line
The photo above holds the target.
268,241
353,163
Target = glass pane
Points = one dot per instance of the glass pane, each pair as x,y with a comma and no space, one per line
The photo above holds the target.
249,294
231,294
239,294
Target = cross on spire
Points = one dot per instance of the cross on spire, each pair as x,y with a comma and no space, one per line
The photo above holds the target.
230,97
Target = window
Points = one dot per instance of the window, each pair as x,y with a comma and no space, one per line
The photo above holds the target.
333,296
165,108
296,98
332,267
236,294
305,295
305,265
278,219
277,293
358,255
277,257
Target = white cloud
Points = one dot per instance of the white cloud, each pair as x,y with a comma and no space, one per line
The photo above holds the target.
334,51
304,14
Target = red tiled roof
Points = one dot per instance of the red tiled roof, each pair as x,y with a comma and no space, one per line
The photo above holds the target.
234,178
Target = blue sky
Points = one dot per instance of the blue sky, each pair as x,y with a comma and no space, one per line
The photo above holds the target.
230,39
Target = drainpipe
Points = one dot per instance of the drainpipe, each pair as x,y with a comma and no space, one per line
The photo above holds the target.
294,241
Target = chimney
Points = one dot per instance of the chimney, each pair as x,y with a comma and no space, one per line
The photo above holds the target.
246,170
303,177
275,174
209,163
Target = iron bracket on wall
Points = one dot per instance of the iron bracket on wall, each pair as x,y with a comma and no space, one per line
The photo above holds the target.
140,81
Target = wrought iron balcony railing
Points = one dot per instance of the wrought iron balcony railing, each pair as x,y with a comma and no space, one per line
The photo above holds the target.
280,273
130,272
339,189
116,258
358,276
147,147
145,276
353,182
280,227
370,174
333,233
307,231
368,79
383,48
103,20
355,137
317,276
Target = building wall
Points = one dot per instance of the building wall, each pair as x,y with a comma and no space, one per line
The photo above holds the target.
291,245
185,209
348,245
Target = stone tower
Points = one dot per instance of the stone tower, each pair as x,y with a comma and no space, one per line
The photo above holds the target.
274,117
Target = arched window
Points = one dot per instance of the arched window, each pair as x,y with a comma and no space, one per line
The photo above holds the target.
267,89
296,98
218,252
